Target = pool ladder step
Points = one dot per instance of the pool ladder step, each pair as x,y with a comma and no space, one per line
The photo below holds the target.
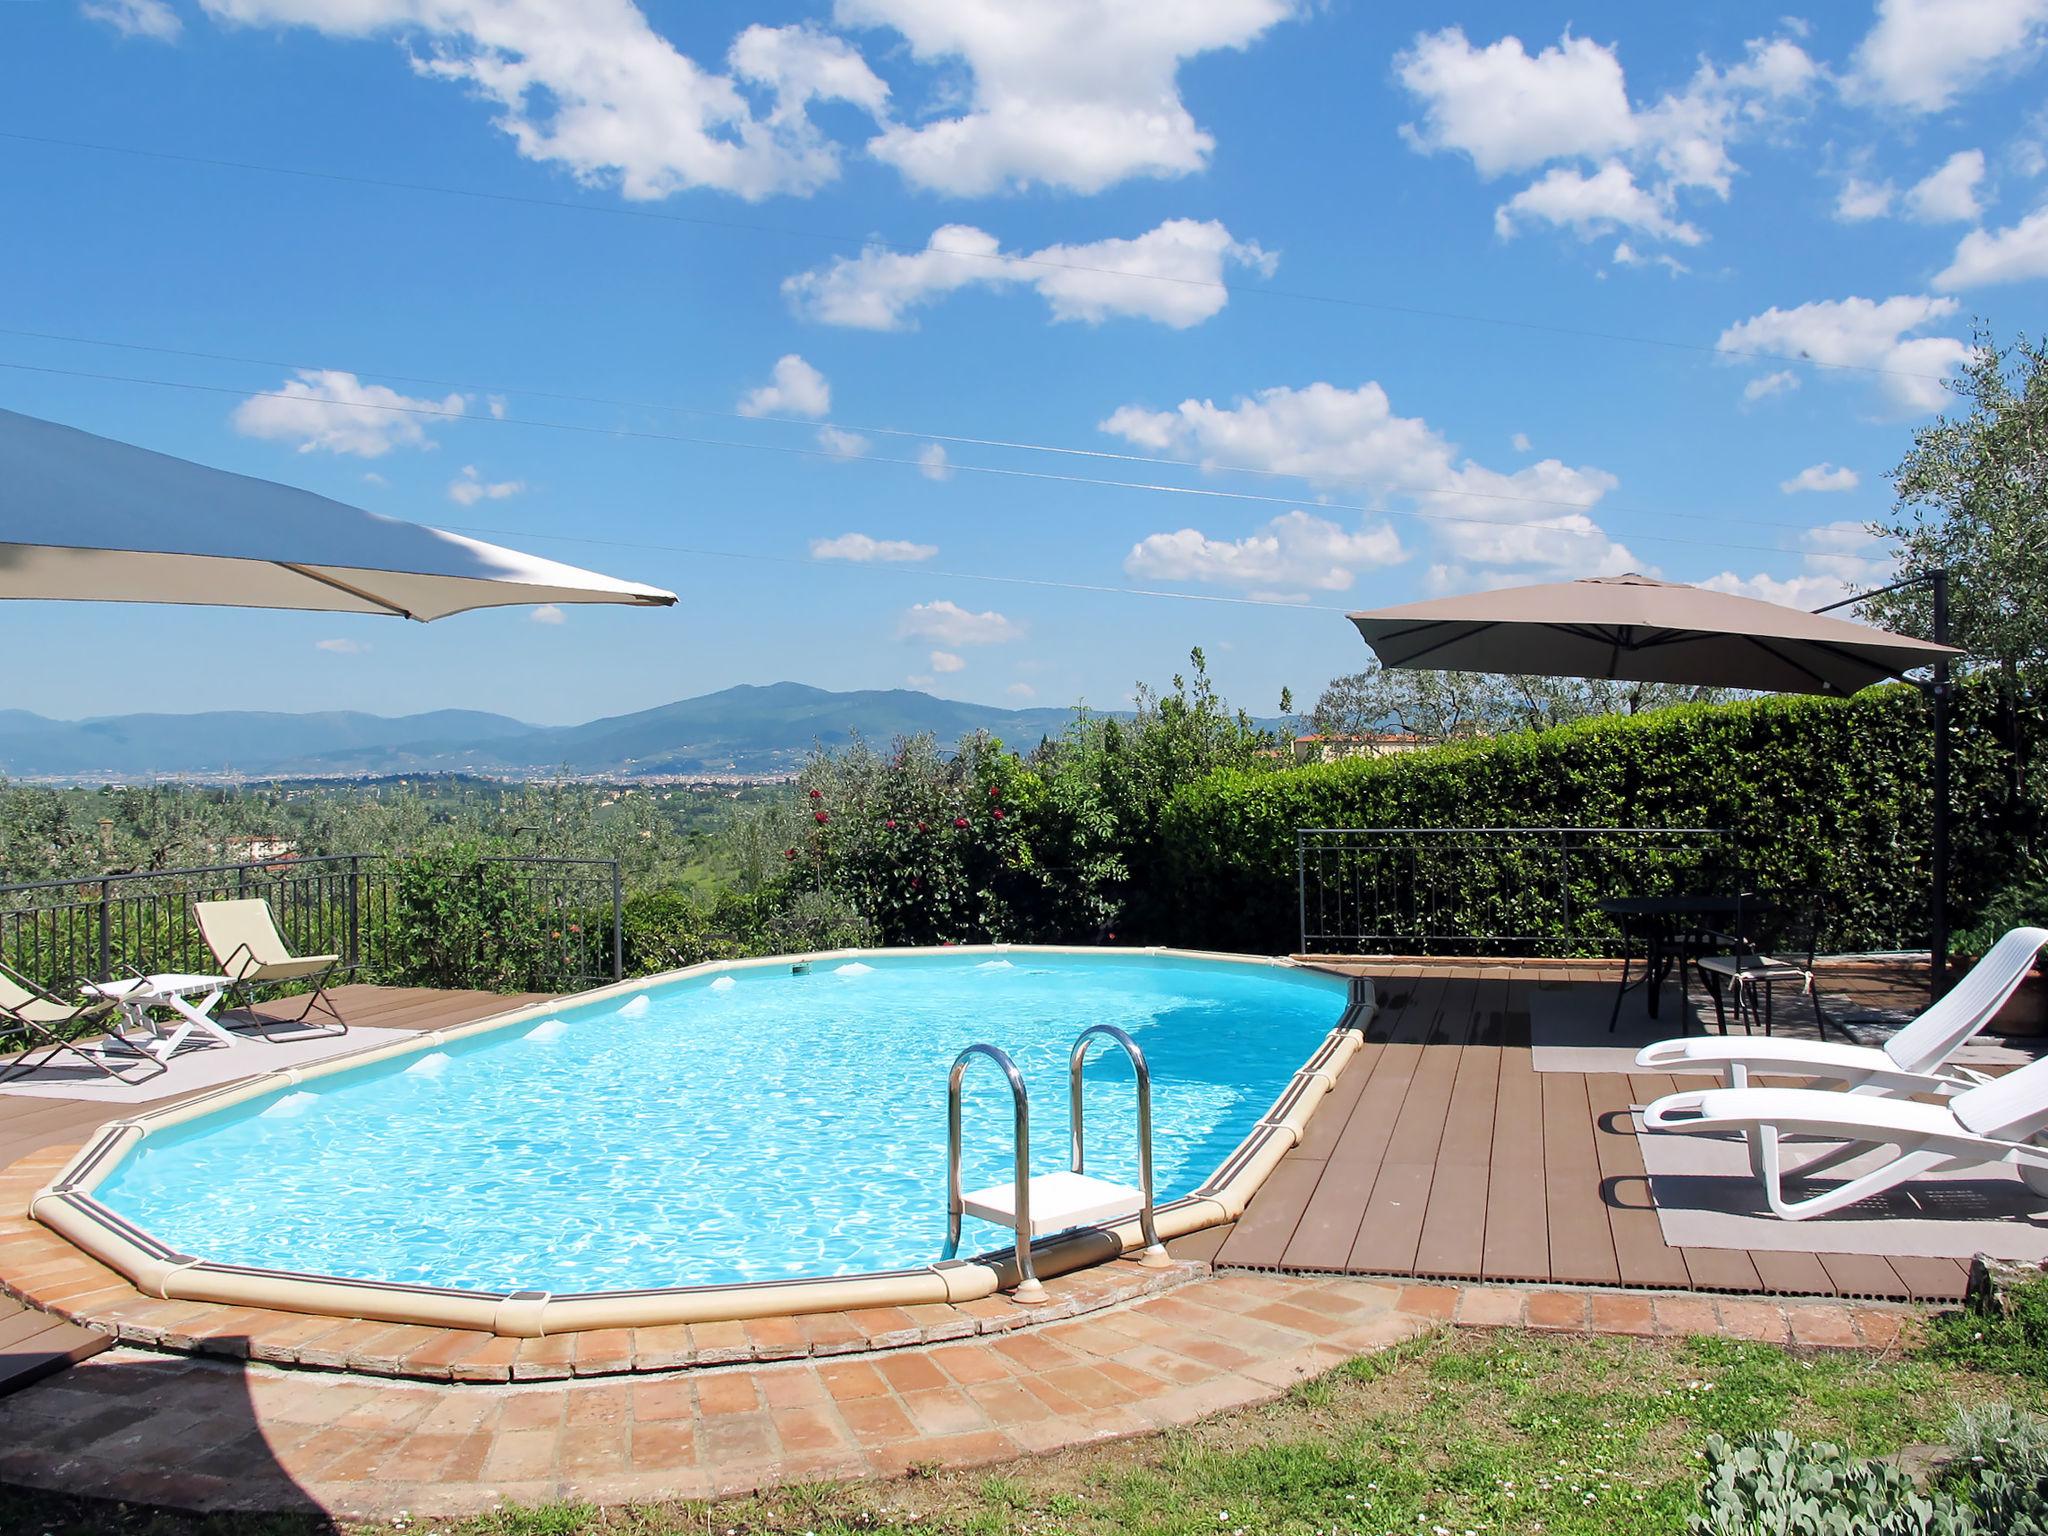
1034,1206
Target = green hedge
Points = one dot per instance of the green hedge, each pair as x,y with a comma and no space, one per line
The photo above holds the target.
1824,796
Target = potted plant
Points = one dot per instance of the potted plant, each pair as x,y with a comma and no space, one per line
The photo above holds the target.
2022,904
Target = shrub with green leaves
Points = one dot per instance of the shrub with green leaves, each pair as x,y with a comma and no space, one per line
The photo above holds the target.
458,919
1823,796
2001,1467
1778,1485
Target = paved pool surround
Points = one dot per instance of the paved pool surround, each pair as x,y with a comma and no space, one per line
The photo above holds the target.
67,1207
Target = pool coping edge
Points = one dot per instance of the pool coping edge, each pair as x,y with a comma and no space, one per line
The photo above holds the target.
66,1205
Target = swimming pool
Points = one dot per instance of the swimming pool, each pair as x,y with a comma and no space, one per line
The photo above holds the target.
731,1125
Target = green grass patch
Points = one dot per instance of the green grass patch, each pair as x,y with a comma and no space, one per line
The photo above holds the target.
2008,1336
1496,1432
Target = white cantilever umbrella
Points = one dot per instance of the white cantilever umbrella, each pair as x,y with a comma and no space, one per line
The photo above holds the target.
88,518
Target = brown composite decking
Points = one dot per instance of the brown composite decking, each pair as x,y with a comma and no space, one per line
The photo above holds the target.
1442,1153
33,1344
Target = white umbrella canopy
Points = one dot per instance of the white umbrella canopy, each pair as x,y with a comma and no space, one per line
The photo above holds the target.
88,518
1639,630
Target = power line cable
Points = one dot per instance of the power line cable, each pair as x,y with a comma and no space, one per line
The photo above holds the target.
1006,472
1112,455
919,571
866,243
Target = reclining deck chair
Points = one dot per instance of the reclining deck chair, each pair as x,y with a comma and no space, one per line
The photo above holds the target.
46,1019
1913,1061
251,952
1995,1122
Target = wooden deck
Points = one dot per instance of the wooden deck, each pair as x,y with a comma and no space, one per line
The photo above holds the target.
1444,1154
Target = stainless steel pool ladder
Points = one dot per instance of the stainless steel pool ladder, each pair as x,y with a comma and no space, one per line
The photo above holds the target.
1075,1193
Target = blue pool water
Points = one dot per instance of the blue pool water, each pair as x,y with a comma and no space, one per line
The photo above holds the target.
759,1126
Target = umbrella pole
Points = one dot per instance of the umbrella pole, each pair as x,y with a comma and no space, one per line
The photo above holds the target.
1936,581
1937,937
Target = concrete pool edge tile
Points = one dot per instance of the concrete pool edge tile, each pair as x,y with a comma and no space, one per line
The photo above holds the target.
65,1205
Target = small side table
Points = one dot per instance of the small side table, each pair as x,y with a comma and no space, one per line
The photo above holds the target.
138,995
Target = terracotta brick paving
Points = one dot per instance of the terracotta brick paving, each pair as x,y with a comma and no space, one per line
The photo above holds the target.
219,1433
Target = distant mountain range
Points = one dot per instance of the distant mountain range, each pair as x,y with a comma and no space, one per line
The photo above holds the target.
744,730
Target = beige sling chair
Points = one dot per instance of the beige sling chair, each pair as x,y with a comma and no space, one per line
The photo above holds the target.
44,1019
252,953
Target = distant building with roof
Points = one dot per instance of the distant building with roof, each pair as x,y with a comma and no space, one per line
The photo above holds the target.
1332,748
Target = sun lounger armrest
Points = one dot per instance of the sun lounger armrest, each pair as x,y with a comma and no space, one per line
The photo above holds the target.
1674,1112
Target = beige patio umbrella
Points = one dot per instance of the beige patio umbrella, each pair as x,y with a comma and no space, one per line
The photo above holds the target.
1636,629
88,518
1639,630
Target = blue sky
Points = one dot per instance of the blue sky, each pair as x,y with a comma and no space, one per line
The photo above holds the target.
753,303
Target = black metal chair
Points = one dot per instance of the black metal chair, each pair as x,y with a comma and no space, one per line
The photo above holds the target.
1772,943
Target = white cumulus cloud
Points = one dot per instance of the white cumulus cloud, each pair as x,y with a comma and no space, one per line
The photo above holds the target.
342,647
1069,94
932,462
946,623
1861,201
1295,549
330,409
1537,516
1820,477
597,89
548,613
1863,333
1607,200
1509,110
1021,691
1836,559
795,389
1612,164
947,661
1765,385
2005,256
1173,274
860,547
471,487
1923,54
1949,194
842,444
152,19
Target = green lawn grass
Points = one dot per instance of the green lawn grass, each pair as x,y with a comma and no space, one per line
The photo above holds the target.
1455,1433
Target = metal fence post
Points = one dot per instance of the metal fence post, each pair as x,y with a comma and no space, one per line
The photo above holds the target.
1301,883
618,924
355,924
1564,866
106,970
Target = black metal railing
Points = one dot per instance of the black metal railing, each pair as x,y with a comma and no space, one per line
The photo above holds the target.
1492,890
550,923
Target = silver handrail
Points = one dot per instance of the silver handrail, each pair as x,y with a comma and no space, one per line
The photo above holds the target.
1029,1290
1154,1253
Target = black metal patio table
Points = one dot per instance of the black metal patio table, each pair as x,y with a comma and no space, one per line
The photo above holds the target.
1660,920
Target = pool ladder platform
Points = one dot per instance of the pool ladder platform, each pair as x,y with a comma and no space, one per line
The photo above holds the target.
1034,1206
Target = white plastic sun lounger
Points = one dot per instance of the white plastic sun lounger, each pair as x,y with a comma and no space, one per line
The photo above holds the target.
1913,1061
1993,1123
